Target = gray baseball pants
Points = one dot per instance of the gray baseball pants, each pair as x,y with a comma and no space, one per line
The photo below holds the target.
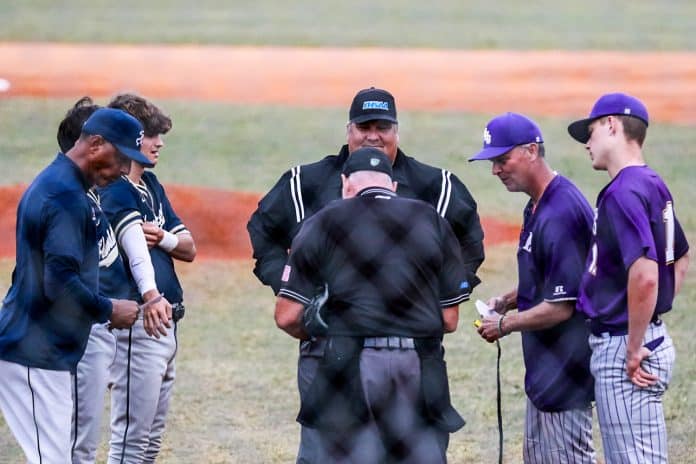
631,419
563,437
396,431
90,383
142,381
310,449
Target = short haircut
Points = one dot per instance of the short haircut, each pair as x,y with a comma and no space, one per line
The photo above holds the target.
541,150
634,128
70,127
152,118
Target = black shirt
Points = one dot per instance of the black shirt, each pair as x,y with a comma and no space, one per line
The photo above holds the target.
304,190
391,265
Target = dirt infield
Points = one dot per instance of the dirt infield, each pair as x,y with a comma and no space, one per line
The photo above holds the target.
550,83
219,226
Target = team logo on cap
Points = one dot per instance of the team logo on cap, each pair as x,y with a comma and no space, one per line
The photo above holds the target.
374,162
375,105
486,136
627,110
139,140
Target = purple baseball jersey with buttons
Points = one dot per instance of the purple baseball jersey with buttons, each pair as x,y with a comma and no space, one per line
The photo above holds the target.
554,242
634,218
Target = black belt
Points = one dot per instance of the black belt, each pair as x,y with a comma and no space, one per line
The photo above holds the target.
597,329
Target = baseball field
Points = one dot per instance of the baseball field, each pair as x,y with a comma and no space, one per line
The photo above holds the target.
255,88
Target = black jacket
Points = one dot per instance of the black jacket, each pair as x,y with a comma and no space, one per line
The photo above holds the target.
304,190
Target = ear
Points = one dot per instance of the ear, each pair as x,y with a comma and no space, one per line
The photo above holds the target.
94,144
345,187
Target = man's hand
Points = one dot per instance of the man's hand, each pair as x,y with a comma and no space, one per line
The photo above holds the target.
153,234
312,317
489,328
639,376
156,315
497,304
123,314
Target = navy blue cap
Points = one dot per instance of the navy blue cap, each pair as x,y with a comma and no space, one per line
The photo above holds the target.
367,159
505,132
609,104
372,104
121,130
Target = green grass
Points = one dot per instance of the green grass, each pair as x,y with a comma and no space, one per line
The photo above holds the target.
505,24
235,397
247,148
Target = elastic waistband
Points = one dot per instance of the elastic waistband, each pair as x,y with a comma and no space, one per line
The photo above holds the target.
402,343
598,330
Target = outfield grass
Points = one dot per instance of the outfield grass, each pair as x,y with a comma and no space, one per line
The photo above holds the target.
235,398
504,24
247,148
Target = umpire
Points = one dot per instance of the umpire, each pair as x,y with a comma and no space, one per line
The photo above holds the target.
395,280
304,190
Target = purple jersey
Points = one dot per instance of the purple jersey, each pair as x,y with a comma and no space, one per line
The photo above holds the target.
634,217
553,245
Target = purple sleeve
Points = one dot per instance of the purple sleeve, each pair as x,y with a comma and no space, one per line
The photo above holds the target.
564,257
631,224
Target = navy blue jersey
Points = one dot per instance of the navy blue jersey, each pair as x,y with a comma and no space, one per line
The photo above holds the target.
53,301
391,265
553,246
634,218
113,277
125,204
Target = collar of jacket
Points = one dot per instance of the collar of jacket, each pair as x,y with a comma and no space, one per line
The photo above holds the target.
399,166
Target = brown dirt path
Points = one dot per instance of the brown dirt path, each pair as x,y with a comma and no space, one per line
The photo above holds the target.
550,83
557,83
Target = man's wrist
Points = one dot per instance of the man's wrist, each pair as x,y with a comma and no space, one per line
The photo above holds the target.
169,241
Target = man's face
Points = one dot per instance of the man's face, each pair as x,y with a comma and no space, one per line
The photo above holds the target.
512,167
151,147
377,133
599,143
106,163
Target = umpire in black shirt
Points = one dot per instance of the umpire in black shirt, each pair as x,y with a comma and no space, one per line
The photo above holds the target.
395,277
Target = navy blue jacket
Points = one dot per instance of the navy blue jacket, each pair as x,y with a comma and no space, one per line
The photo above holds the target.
53,301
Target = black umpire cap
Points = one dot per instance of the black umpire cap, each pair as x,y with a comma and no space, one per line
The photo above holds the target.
367,159
371,104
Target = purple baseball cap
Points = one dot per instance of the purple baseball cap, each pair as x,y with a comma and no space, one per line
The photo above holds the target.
505,132
609,104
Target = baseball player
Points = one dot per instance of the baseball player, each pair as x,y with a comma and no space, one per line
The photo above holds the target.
144,367
551,254
91,377
53,301
395,276
636,265
304,190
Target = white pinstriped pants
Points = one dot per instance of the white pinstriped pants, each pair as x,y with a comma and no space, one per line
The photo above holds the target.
631,419
563,437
